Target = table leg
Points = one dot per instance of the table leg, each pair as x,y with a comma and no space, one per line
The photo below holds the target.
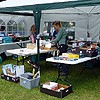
17,59
63,74
82,69
22,60
89,65
58,73
85,66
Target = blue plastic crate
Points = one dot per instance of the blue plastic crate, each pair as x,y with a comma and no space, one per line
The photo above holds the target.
6,39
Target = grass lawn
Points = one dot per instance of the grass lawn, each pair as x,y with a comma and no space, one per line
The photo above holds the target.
85,86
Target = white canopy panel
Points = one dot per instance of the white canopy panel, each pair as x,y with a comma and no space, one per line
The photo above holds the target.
75,10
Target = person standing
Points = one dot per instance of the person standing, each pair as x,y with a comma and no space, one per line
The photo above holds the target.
61,34
32,37
61,46
55,32
60,39
33,34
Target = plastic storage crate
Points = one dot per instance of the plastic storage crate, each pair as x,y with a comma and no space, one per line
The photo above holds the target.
6,39
28,82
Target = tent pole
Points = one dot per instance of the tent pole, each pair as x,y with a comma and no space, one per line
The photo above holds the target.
88,27
37,18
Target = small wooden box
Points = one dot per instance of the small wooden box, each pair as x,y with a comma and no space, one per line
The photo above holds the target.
31,46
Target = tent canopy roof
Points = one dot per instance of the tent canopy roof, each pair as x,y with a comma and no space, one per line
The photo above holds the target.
39,5
13,3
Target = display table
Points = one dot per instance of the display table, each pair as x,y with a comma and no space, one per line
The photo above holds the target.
20,43
27,52
12,45
81,60
74,62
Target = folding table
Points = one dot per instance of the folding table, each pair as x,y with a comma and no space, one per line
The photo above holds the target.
74,62
27,52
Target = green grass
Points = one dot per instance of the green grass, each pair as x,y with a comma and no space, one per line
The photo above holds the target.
85,86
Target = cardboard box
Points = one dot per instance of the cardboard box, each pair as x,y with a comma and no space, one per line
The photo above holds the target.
9,78
12,70
62,91
31,46
11,73
44,48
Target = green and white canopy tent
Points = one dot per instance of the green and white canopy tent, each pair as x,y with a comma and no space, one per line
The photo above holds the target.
85,13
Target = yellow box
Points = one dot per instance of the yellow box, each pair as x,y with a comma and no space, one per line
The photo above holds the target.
73,56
